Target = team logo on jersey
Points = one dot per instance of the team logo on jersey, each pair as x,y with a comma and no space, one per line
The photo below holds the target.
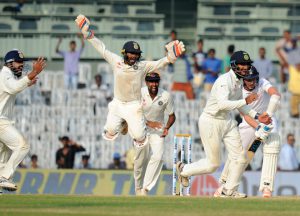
135,46
135,67
160,103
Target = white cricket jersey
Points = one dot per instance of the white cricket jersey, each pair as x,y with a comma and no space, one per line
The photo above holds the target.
262,102
226,95
154,110
128,79
9,87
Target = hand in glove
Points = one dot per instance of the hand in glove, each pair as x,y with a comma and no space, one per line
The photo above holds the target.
84,24
175,49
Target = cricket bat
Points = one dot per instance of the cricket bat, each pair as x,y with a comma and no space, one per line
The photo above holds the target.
253,148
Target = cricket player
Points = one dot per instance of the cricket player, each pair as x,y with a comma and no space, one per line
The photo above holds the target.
268,101
156,102
129,73
216,126
13,146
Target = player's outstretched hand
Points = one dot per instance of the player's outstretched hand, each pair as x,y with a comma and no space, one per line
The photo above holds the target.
39,65
265,118
175,49
84,25
251,98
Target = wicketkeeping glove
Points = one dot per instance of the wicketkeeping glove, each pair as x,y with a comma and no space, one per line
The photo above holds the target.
263,131
175,49
84,25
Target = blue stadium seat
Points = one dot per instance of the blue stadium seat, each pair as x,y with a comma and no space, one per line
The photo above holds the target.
222,10
27,25
121,28
120,9
295,11
240,30
215,30
242,13
270,30
144,11
5,26
295,27
145,26
60,27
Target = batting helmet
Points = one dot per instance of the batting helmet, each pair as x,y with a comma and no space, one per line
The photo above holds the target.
131,47
242,58
253,74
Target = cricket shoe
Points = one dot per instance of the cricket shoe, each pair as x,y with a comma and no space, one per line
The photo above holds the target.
184,181
218,192
266,193
7,184
234,195
141,192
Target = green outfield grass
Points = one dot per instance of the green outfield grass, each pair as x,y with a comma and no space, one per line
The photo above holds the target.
43,205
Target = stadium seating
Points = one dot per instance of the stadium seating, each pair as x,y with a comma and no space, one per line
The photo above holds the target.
39,24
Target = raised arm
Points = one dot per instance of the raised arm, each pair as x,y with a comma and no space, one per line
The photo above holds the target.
83,23
174,50
82,40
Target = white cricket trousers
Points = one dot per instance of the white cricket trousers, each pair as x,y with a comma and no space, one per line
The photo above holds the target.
147,166
13,148
271,148
132,113
213,132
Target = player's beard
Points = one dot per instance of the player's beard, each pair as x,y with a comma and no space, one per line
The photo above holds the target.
153,90
130,61
16,71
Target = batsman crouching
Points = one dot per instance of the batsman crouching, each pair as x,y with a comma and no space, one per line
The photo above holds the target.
129,73
13,146
268,101
216,126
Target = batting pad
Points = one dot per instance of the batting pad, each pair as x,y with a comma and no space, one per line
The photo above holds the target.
269,167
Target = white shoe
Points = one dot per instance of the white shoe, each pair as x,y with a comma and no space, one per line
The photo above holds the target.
7,184
138,192
267,193
218,192
184,181
144,192
141,192
235,195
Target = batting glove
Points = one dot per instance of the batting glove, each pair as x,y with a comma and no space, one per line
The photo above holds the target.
263,131
175,49
84,25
